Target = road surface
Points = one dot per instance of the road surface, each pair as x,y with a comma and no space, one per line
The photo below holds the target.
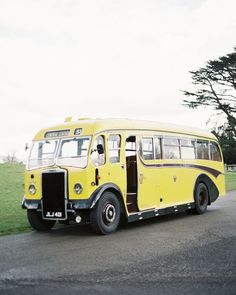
174,254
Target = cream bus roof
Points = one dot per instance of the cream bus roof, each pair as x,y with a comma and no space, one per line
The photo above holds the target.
93,126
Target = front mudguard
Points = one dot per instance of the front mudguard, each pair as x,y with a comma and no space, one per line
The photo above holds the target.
95,197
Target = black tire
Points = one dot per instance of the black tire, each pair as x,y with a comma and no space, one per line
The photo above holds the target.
105,217
37,222
201,198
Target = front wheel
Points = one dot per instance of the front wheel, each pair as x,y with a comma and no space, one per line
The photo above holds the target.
37,222
201,198
105,217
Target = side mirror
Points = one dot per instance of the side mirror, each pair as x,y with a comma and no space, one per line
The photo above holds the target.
100,149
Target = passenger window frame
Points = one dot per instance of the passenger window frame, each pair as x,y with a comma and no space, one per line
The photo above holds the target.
218,149
208,147
141,147
182,145
116,149
158,139
171,145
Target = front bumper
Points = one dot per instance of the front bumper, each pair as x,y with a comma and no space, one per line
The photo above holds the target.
74,209
71,204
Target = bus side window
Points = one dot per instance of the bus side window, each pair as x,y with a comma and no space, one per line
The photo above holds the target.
202,150
215,152
97,157
147,151
187,149
114,142
157,142
171,148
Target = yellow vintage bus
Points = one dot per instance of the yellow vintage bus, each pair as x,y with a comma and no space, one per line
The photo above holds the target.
103,170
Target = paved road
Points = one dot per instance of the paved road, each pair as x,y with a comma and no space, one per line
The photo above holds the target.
175,254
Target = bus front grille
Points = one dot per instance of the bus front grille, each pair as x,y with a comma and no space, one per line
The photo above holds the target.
54,195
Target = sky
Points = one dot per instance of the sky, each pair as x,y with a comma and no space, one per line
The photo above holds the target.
104,58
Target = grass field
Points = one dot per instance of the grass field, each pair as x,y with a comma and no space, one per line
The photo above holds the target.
12,217
231,181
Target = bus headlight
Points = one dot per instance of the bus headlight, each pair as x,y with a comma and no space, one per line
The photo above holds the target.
78,188
32,189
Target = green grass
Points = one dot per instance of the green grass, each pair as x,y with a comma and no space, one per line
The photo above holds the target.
12,218
231,181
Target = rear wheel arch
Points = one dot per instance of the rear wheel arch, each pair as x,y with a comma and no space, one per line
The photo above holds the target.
213,191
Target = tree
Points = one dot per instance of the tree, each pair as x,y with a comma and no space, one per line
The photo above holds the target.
10,158
228,144
216,88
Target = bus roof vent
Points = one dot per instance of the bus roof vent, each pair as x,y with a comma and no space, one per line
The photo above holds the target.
68,119
79,119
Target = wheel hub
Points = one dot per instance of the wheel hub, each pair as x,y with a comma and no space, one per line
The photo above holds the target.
109,213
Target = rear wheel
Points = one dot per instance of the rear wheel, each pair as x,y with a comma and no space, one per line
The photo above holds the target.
105,217
201,198
37,222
